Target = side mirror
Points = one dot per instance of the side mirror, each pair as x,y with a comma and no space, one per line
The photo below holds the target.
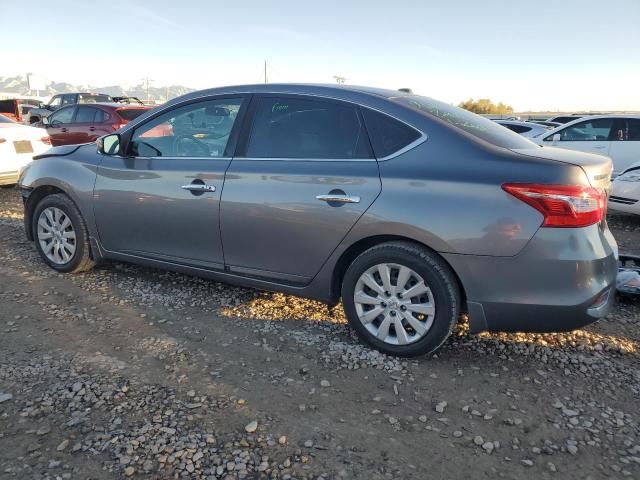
555,138
109,144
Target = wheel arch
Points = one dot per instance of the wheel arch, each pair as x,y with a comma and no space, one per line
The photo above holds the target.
32,201
351,253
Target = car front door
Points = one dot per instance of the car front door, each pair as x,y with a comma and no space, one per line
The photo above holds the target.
593,136
625,146
58,126
160,199
302,177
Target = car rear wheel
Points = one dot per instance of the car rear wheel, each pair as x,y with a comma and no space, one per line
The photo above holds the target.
61,235
401,298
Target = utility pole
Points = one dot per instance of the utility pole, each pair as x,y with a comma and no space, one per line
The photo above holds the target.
147,82
265,72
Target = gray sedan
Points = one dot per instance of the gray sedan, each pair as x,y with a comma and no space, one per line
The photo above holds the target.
408,209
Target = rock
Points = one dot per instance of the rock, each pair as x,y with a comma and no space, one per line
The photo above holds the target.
488,447
572,449
526,462
325,383
44,430
191,393
251,426
457,434
422,418
441,406
5,397
308,443
282,440
478,440
552,467
63,445
129,471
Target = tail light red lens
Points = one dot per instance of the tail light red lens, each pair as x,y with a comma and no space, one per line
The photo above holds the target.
566,206
46,140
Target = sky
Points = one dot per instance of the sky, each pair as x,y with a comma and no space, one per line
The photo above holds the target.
564,55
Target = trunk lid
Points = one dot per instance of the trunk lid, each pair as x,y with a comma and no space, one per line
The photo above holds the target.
598,168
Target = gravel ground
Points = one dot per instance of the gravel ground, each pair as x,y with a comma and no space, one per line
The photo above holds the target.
130,372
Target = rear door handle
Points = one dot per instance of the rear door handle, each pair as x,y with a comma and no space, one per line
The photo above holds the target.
92,129
600,147
64,129
338,198
199,187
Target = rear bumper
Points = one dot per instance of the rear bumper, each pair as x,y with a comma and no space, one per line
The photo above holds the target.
9,178
562,280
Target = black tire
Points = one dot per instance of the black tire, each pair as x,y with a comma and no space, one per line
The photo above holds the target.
437,275
81,260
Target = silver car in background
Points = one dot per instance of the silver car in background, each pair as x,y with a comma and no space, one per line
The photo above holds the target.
408,209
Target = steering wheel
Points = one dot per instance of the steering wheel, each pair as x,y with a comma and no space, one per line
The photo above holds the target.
187,146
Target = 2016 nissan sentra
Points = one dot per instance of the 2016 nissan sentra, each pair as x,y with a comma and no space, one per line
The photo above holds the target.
410,210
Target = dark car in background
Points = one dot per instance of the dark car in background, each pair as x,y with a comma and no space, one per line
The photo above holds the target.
85,123
409,209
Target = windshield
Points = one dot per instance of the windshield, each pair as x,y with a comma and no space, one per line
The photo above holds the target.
469,122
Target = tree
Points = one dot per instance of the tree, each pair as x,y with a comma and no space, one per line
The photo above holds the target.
485,105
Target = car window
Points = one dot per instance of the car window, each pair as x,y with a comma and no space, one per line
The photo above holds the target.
627,130
588,130
130,113
68,99
93,98
55,101
476,125
87,115
199,129
288,127
387,134
64,115
516,128
7,106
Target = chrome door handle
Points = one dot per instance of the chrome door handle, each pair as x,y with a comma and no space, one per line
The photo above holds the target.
600,147
339,198
199,187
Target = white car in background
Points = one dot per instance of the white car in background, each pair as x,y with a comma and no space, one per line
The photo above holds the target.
526,129
625,191
18,144
616,136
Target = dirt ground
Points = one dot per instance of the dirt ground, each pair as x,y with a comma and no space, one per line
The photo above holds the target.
127,371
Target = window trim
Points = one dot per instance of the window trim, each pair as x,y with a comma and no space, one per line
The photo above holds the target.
127,135
410,146
247,130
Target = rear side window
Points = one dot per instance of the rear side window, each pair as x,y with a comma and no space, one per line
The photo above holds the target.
287,127
597,130
88,115
131,113
387,134
93,98
68,99
7,106
628,130
476,125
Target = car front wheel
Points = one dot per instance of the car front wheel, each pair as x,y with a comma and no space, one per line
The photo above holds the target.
61,235
401,298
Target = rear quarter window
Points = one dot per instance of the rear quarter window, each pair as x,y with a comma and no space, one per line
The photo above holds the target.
387,134
471,123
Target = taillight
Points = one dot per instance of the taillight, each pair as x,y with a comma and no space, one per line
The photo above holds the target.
562,205
46,140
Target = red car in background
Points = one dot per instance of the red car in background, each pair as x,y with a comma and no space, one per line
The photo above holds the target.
85,123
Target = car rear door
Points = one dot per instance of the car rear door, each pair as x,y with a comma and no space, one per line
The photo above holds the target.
302,177
87,124
625,145
161,200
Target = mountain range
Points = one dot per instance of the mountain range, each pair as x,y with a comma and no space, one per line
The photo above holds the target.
20,86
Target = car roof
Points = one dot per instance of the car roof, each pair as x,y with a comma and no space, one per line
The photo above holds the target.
340,91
